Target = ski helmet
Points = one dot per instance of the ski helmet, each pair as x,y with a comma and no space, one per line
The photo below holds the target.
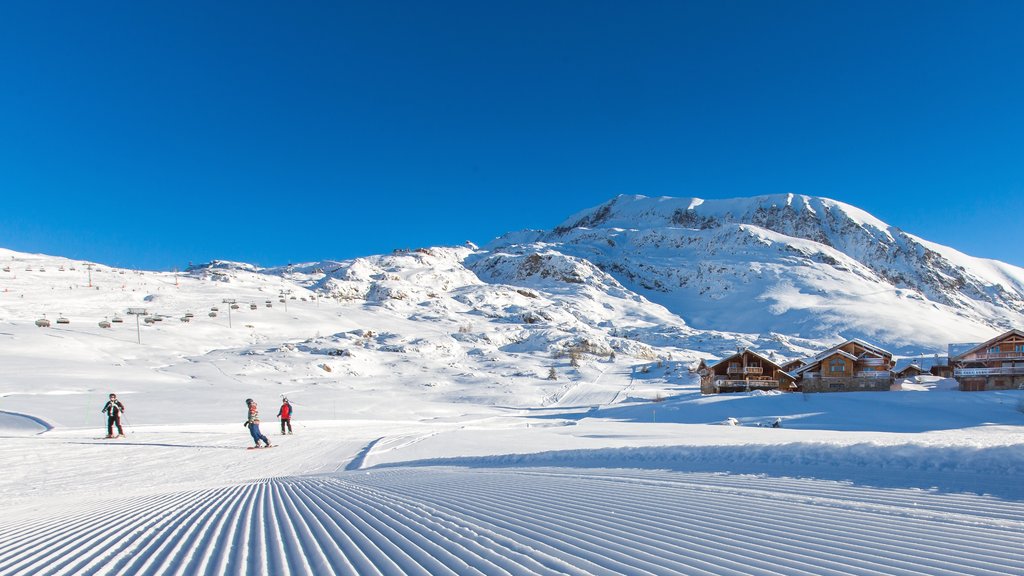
248,400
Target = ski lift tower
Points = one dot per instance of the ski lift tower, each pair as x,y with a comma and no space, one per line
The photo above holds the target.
138,312
284,298
230,302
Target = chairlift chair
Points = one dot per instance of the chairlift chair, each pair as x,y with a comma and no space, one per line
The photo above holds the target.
269,304
252,306
186,318
7,268
214,309
63,320
189,315
234,306
116,320
149,320
212,314
43,323
104,324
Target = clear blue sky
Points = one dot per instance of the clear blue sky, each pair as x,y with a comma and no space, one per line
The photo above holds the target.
151,134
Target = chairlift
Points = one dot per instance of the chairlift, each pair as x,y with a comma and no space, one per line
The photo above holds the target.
270,304
149,320
303,298
234,306
72,268
42,269
189,315
252,306
104,324
43,323
214,309
212,314
186,318
61,269
63,320
28,268
116,320
281,300
7,268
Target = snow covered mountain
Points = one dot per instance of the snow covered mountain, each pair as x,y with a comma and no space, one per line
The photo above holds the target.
786,264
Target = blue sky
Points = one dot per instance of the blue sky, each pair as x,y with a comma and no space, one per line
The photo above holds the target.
153,134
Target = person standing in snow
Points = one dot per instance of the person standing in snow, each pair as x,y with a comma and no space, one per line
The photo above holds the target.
113,409
253,422
285,414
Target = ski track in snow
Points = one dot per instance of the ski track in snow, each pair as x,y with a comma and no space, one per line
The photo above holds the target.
541,521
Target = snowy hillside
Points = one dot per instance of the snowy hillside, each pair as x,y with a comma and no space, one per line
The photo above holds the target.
794,265
528,408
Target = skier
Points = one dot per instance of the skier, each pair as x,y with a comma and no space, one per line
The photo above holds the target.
777,423
253,422
285,414
113,409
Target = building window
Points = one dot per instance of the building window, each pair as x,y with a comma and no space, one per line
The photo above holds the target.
993,350
1019,348
836,365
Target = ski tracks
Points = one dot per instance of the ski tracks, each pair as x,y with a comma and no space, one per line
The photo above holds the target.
456,521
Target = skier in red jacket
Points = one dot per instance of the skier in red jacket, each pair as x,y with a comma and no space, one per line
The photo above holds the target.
285,414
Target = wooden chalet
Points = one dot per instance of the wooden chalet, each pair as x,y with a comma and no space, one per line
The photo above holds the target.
854,365
925,365
792,365
743,371
997,364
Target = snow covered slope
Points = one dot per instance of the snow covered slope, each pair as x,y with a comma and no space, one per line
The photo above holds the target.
429,438
789,264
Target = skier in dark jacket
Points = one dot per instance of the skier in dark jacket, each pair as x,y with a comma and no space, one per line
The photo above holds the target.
113,409
285,414
253,422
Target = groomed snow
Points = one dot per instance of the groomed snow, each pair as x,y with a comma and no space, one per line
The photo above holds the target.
428,439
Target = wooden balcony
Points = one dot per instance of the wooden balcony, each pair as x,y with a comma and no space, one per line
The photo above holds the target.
737,369
864,374
998,371
998,355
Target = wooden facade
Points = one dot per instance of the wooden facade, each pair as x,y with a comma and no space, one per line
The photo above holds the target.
854,365
994,365
743,371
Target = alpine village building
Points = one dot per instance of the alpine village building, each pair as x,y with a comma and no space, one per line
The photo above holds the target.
997,364
743,371
852,365
856,365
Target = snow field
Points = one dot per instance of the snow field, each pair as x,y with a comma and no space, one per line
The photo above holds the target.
544,521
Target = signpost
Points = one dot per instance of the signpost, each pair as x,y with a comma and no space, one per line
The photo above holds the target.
138,312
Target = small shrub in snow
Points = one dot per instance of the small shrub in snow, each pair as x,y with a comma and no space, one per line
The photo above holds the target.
551,374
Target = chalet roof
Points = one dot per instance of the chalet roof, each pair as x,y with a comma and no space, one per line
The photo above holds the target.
740,353
867,345
925,363
908,367
959,350
816,361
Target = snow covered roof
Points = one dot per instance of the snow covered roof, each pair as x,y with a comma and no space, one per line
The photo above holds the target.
740,353
925,363
867,345
957,350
